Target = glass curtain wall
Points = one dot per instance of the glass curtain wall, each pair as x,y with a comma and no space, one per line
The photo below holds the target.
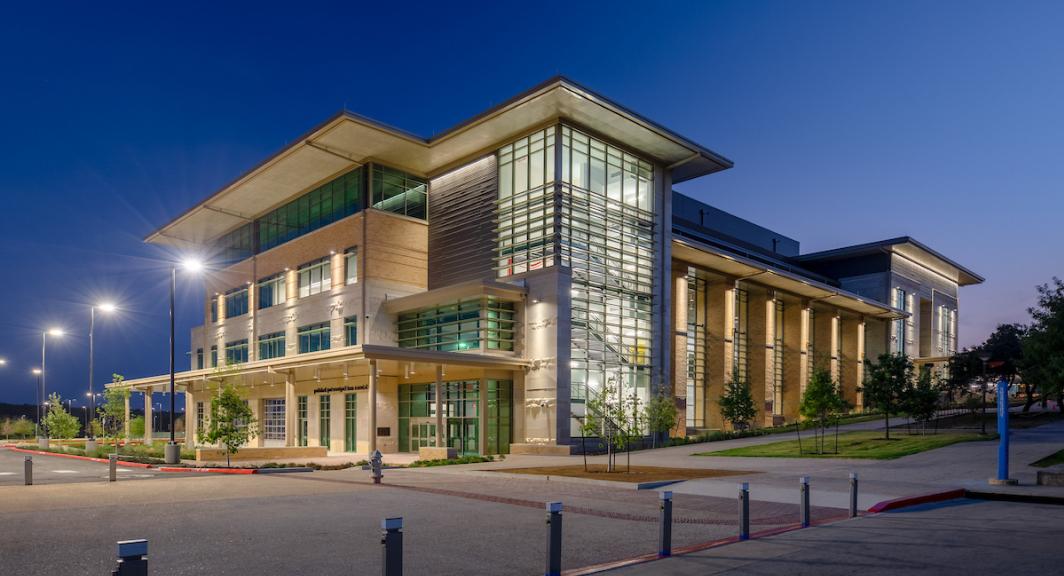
461,413
597,219
607,240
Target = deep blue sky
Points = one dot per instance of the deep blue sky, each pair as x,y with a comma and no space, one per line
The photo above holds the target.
847,121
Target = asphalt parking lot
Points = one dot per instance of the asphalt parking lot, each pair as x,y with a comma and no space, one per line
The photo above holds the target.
57,470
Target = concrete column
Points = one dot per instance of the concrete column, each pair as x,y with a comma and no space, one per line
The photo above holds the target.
126,425
853,357
679,347
372,396
439,406
482,416
147,418
836,341
291,408
190,418
805,363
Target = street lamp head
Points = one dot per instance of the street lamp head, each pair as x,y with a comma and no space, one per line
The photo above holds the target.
192,264
36,371
107,307
3,362
55,332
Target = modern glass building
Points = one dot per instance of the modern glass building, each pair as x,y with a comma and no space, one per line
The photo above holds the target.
467,293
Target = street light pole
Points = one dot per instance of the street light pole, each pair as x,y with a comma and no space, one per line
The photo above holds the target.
92,397
37,425
172,451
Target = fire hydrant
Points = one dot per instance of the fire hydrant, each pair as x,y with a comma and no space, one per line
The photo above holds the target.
376,464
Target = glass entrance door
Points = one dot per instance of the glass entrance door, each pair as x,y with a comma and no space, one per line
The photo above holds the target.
422,433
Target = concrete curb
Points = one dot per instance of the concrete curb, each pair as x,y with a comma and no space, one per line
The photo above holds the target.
76,457
907,501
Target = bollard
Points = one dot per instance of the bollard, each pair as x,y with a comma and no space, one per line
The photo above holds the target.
132,558
112,462
804,482
853,494
665,532
29,470
392,546
554,539
744,511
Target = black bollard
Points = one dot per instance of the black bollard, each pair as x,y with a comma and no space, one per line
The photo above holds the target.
744,511
554,539
665,532
132,558
392,546
804,482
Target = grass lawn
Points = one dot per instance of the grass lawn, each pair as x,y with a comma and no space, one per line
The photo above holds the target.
1051,460
637,474
863,444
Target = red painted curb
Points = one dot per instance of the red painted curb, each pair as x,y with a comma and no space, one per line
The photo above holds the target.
76,457
907,501
208,470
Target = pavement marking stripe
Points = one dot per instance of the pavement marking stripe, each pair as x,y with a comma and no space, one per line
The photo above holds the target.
7,473
65,471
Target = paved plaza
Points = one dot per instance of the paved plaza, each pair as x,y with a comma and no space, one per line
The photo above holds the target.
480,519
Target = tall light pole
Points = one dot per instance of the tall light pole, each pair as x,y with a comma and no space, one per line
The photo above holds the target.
107,307
173,451
44,349
37,389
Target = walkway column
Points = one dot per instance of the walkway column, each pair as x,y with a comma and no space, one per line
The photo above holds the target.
147,418
125,426
190,418
291,406
372,393
439,406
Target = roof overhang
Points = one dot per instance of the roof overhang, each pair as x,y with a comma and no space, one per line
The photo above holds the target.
348,140
455,292
733,265
907,248
328,358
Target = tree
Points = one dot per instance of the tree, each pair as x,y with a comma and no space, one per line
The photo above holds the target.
136,427
58,422
920,399
230,423
885,383
112,413
7,428
604,412
820,402
1043,344
23,427
737,403
660,415
1005,350
964,367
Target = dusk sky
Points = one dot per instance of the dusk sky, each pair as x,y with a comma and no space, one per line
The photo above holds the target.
848,122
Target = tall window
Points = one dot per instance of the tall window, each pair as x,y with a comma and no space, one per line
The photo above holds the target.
301,420
236,302
272,291
350,330
273,422
777,359
350,423
214,310
351,266
742,321
526,204
314,337
315,277
236,352
399,192
324,408
697,309
271,345
199,358
902,330
199,416
214,356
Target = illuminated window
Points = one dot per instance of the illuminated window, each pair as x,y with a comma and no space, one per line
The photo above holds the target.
315,278
236,302
271,345
272,291
236,352
399,192
314,337
351,266
460,326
